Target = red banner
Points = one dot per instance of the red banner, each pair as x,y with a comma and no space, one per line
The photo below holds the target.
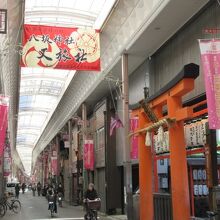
4,102
89,155
61,48
54,165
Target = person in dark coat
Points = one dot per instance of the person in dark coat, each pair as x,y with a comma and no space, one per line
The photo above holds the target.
91,193
23,187
39,188
52,195
60,189
17,190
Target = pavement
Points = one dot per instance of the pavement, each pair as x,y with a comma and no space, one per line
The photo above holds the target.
36,208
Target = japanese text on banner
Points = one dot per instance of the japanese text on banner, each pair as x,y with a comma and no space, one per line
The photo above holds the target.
61,48
210,57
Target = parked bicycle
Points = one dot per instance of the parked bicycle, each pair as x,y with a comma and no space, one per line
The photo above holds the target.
209,216
212,215
10,204
2,210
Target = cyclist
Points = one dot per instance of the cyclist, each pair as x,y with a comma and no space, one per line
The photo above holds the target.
52,195
60,194
90,194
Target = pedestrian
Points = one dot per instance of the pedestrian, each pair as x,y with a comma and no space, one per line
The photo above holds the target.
39,188
60,189
60,194
23,186
34,188
17,190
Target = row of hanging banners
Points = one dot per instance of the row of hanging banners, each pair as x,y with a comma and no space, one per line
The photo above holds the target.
61,48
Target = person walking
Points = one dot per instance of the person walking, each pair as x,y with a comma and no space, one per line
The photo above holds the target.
23,186
34,188
17,191
39,187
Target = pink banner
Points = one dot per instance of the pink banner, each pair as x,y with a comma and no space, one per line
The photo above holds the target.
7,160
134,138
4,102
210,56
7,166
54,165
89,155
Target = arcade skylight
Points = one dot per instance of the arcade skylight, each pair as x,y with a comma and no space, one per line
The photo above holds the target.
42,89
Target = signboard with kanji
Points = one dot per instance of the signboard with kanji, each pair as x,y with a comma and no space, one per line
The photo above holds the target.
61,48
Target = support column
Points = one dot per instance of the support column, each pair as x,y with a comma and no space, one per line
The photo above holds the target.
58,158
84,119
212,167
70,161
46,167
145,175
178,164
42,169
126,142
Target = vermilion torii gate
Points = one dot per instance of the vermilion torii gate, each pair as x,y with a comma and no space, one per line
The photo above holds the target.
171,96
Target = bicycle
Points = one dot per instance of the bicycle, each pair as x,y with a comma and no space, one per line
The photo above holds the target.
52,204
92,206
2,210
210,216
12,204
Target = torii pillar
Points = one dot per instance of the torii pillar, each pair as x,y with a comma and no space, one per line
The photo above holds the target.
172,98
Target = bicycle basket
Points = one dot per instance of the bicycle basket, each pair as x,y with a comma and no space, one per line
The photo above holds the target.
94,205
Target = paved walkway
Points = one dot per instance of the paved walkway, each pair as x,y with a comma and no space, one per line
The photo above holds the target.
35,208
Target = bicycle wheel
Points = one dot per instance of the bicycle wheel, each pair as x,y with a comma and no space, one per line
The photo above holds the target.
51,212
94,216
5,206
2,210
16,206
